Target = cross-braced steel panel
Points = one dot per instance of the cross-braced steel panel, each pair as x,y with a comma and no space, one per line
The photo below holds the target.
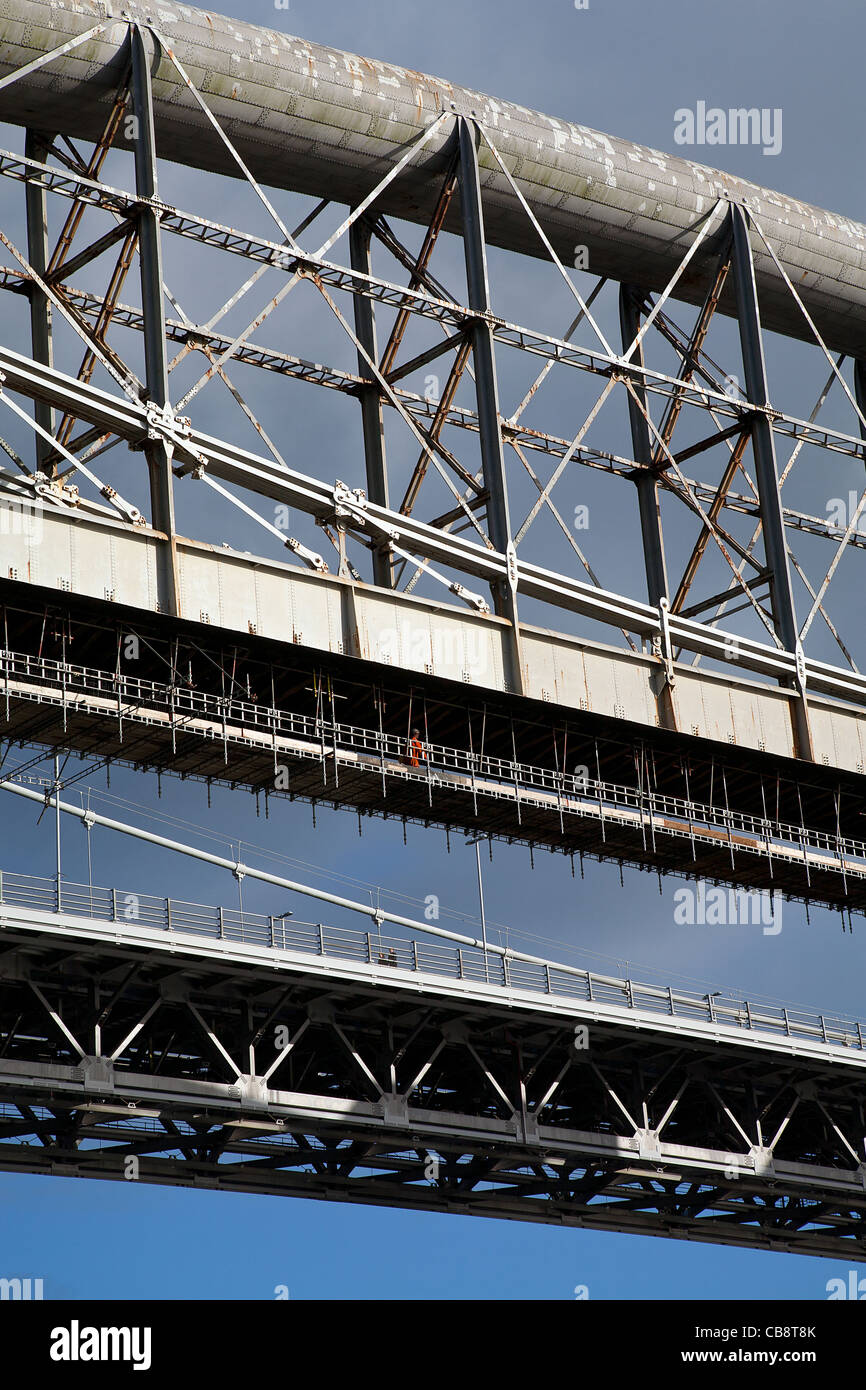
744,533
649,374
348,1066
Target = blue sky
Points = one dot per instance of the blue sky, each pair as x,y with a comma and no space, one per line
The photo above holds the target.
97,1240
622,66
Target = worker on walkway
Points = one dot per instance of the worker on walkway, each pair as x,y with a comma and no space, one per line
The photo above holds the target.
416,751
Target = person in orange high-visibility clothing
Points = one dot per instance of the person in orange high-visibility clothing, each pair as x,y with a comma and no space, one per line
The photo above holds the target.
416,749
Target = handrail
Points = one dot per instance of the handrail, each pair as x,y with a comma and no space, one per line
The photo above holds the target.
461,962
576,793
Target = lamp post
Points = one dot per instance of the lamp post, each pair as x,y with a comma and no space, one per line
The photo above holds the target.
57,824
476,841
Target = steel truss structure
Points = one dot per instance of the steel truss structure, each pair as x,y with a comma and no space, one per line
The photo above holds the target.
400,548
287,726
742,424
124,1042
176,1044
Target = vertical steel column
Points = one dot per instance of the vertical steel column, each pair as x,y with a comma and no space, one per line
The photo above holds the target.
36,146
646,482
487,393
157,451
370,397
764,448
486,389
860,394
57,826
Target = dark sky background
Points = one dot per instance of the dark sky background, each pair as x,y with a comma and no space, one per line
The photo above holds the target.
624,67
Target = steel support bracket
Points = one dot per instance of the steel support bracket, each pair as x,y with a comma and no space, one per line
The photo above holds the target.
350,504
395,1110
172,431
800,667
131,513
162,423
51,488
763,1161
310,557
97,1073
459,590
511,568
662,643
474,600
648,1143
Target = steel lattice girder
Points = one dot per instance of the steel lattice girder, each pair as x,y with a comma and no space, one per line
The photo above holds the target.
755,416
164,436
302,115
424,411
166,433
251,246
134,421
257,1070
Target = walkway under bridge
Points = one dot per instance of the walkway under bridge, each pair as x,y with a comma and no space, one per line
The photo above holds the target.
291,722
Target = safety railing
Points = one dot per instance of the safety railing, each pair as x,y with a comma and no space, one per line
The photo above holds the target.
575,793
429,958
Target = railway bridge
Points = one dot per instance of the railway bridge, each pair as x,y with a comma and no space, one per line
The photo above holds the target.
672,690
178,1043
